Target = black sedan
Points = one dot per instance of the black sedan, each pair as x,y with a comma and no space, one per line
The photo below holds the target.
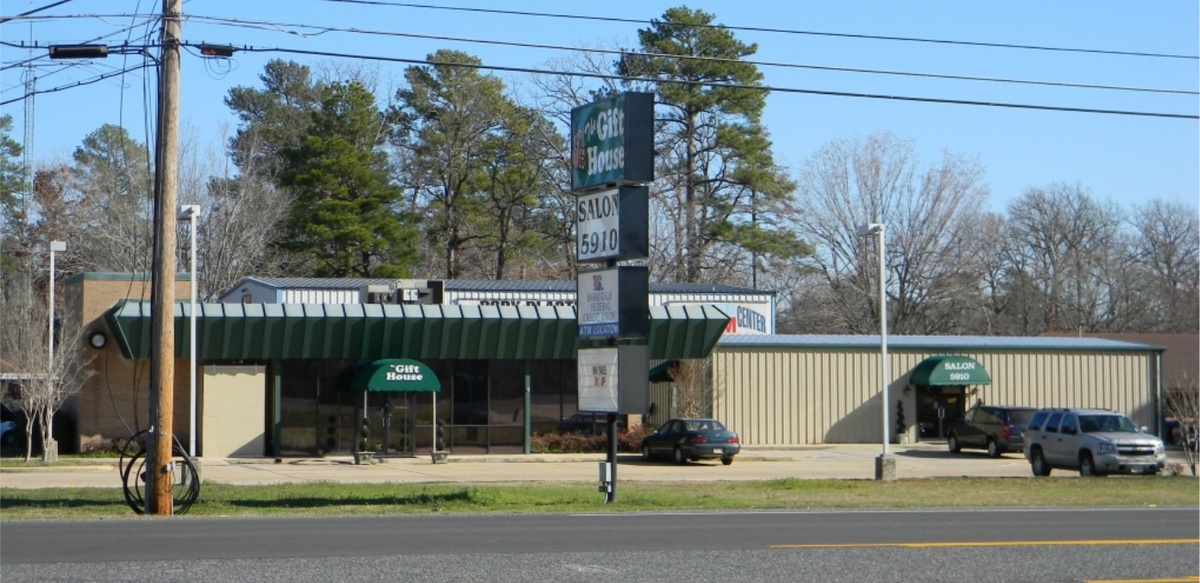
692,439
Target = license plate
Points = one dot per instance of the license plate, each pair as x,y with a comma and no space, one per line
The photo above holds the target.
718,450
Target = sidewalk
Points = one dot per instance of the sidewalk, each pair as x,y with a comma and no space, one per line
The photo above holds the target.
836,461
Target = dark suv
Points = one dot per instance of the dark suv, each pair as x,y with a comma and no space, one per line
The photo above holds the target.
996,428
1093,441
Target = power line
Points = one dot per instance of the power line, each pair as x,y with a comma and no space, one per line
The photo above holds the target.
95,79
34,11
93,40
721,85
775,30
283,27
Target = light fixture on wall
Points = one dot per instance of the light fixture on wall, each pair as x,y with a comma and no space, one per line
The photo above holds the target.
97,339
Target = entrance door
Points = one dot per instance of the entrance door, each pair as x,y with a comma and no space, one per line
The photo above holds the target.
392,417
937,409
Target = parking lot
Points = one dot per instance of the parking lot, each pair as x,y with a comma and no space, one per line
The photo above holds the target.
841,461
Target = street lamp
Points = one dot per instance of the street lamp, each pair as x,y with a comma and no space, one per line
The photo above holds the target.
191,212
885,464
55,246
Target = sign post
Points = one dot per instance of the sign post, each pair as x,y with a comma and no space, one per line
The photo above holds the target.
612,156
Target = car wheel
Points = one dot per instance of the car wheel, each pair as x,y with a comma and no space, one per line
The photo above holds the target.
726,461
679,457
993,448
1087,466
9,439
952,444
1038,462
645,453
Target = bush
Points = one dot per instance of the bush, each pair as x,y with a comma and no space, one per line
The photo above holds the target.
575,442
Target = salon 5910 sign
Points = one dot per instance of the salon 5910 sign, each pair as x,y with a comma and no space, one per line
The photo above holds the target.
612,224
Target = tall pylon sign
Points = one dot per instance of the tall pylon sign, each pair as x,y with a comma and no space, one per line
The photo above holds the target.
612,158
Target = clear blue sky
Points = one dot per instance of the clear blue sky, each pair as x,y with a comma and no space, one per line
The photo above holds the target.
1125,159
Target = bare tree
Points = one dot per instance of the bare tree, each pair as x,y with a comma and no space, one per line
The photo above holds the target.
46,382
1183,405
695,389
1063,243
930,212
239,216
1166,247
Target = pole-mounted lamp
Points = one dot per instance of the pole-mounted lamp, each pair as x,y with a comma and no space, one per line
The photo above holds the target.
55,246
191,212
885,466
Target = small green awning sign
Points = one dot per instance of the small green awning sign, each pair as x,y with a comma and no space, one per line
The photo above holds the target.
949,370
396,374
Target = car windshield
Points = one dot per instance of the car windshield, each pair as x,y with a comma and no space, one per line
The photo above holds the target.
1106,424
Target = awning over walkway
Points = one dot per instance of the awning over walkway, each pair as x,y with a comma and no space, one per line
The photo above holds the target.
951,370
421,332
396,374
662,372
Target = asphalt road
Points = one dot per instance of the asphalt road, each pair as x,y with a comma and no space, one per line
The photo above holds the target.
972,545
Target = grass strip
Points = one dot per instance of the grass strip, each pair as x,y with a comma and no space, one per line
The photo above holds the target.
337,499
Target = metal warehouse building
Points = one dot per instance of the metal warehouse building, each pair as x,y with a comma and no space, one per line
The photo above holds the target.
795,390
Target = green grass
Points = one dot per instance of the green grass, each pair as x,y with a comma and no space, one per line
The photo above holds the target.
333,499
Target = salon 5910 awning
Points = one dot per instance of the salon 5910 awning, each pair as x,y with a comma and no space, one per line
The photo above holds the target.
949,370
394,375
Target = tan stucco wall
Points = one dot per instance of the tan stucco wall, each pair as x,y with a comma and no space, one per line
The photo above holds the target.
233,405
798,396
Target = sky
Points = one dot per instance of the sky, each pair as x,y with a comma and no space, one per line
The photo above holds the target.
1122,158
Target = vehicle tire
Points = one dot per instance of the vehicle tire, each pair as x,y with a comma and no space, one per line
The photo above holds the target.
1087,466
994,448
1037,462
726,461
9,439
679,457
952,444
645,453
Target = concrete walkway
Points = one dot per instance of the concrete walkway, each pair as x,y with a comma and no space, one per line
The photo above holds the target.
841,461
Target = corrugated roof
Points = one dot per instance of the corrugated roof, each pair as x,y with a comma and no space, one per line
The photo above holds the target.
315,283
934,343
486,285
374,331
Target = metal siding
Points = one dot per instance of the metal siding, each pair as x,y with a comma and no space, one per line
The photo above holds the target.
782,396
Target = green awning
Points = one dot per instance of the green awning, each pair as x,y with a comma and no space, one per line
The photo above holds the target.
949,370
396,374
258,332
662,372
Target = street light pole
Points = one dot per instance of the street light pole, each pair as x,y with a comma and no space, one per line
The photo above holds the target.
885,464
191,212
55,246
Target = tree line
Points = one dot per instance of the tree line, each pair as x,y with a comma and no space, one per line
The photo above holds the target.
459,174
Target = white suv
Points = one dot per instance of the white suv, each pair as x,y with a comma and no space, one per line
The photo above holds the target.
1093,441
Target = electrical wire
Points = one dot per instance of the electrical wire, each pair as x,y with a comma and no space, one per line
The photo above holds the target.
34,11
95,79
774,30
723,85
283,27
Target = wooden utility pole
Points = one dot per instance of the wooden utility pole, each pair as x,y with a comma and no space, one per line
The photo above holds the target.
159,456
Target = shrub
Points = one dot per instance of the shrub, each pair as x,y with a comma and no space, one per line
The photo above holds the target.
575,442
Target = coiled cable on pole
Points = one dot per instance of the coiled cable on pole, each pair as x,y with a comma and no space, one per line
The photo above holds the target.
185,483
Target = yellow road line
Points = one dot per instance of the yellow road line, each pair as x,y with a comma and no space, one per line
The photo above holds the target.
1047,543
1179,580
